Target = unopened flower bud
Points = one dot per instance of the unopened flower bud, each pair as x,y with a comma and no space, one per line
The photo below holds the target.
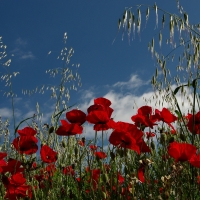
112,155
152,145
103,195
51,130
171,139
76,151
126,170
182,137
105,178
162,138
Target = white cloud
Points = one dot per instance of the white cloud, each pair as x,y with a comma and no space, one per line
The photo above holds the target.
126,105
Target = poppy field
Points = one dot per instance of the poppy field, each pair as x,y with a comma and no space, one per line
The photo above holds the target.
137,164
157,156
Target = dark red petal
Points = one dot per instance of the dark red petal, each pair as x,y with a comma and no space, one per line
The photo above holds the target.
76,116
27,131
103,101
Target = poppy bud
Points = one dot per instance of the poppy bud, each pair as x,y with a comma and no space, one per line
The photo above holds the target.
76,151
126,170
51,130
182,137
83,140
112,155
103,195
162,138
171,139
64,144
73,166
120,152
105,178
152,145
167,194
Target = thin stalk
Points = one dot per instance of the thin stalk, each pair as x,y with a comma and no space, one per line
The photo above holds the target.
102,140
193,133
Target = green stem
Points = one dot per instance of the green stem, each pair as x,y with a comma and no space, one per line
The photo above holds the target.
102,140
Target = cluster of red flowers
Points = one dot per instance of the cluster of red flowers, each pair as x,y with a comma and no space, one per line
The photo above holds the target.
124,136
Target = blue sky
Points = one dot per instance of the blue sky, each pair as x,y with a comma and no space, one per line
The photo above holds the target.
120,71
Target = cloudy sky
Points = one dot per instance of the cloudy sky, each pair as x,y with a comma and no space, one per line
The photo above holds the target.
120,71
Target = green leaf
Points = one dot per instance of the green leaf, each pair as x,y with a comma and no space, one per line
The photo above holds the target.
177,89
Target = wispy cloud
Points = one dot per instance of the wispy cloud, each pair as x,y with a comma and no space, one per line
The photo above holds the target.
21,50
20,42
133,82
7,113
27,55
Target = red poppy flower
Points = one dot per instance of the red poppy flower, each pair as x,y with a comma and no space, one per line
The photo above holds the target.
143,146
195,160
149,135
141,171
93,147
196,123
124,139
76,117
2,164
13,166
47,154
127,127
27,131
144,117
2,155
100,155
103,101
15,193
69,129
16,188
126,135
99,114
120,178
188,116
98,117
26,144
40,178
95,177
50,169
166,116
81,143
181,151
68,170
17,179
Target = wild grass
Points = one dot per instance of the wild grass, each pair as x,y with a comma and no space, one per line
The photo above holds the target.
155,157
